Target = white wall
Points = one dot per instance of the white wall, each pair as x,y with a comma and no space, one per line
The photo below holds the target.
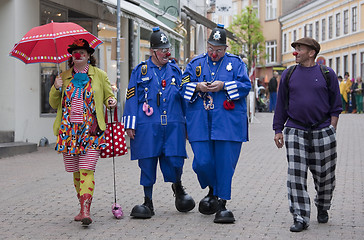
7,110
20,92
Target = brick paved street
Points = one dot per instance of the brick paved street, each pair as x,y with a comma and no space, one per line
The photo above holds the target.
38,201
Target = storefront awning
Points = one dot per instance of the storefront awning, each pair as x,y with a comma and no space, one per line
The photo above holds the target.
142,17
207,22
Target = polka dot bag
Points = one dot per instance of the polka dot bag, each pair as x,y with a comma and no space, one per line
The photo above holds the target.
115,137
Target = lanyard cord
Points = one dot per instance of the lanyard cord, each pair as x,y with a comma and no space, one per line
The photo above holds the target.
214,76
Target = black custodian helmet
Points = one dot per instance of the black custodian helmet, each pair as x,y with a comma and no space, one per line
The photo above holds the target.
158,39
218,36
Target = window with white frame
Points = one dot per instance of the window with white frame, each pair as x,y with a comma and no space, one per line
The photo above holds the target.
346,21
330,27
330,62
317,30
308,30
338,65
323,29
271,9
294,35
271,51
337,17
345,63
353,65
354,19
235,8
362,65
255,5
284,42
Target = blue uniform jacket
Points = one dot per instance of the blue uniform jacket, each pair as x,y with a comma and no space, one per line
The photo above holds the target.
225,125
165,129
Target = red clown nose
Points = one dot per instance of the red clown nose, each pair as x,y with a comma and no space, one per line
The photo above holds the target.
77,55
295,53
168,54
214,55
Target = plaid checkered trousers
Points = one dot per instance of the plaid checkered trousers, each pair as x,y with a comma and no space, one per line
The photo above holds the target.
320,157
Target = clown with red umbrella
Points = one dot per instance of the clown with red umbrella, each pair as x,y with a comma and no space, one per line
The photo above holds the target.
80,123
79,96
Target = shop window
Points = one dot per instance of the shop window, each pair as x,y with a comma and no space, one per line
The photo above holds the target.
48,71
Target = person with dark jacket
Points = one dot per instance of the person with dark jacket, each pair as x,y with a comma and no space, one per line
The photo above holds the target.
272,88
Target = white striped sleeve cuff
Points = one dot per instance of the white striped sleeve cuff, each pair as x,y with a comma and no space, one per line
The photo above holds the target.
232,90
190,89
129,122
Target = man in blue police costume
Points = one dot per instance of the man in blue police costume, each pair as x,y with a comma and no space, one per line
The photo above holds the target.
154,119
215,86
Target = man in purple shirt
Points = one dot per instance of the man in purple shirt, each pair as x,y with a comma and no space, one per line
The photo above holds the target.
308,109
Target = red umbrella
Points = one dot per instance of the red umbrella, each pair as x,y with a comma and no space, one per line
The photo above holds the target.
49,42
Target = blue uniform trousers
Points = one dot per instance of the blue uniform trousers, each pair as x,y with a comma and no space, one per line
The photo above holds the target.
171,168
214,163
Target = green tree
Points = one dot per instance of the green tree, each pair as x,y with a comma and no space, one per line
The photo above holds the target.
247,28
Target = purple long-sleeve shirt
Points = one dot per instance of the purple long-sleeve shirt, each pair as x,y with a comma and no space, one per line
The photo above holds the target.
308,99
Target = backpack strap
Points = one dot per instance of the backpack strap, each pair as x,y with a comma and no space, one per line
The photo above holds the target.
326,73
286,80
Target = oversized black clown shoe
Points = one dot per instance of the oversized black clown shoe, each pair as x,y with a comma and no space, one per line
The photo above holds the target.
209,204
223,215
146,210
183,202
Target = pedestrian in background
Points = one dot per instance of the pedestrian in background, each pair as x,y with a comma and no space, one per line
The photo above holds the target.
308,109
215,85
345,86
79,97
272,88
155,122
340,79
358,88
352,99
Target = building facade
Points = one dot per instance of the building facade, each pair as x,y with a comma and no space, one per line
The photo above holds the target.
339,28
25,110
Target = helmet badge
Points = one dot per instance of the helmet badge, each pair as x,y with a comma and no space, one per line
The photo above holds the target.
217,35
164,38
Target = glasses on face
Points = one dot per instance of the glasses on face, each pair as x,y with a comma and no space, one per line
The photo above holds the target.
220,50
162,50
